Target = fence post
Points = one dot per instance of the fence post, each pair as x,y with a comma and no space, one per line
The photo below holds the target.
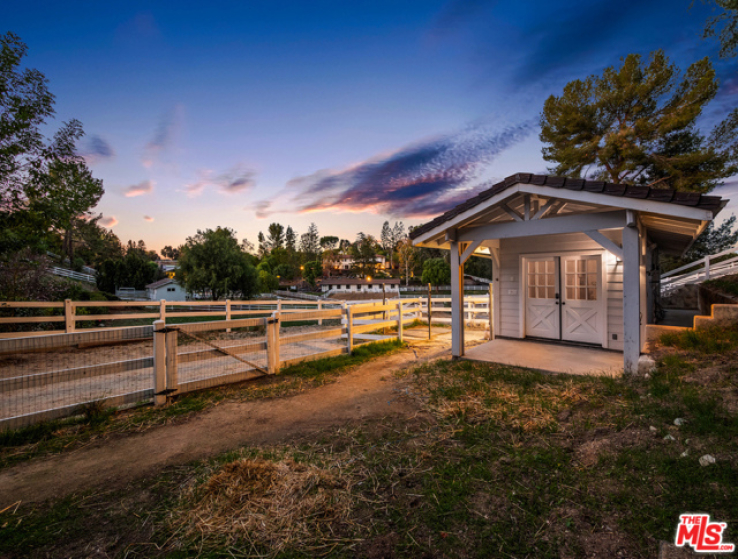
70,310
163,311
272,331
707,267
228,312
160,365
430,310
172,374
399,320
350,328
320,308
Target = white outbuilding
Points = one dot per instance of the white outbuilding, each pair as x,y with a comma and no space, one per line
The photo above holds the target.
575,261
166,289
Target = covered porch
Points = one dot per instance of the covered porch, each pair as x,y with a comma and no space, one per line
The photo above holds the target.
573,261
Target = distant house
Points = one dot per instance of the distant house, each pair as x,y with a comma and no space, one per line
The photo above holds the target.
342,263
166,289
355,285
167,266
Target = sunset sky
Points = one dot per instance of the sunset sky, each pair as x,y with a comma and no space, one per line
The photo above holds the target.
236,114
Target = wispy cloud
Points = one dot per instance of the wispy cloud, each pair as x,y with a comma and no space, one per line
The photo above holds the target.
109,221
96,149
164,137
416,181
235,180
145,187
142,26
148,218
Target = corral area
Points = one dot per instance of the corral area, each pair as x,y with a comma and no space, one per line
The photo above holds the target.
406,454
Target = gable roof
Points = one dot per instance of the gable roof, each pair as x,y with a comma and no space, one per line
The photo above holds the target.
710,203
160,283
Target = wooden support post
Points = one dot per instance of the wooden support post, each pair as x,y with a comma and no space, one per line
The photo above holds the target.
320,308
160,365
707,267
172,373
272,328
163,311
490,314
399,320
70,310
350,328
457,302
631,299
430,310
228,313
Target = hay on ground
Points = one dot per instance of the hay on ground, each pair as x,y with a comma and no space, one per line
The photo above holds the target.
270,506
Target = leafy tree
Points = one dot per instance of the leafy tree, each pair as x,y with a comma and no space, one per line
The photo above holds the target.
725,26
95,244
266,280
276,236
479,267
212,261
25,104
436,271
171,252
385,237
64,188
285,272
310,243
364,253
329,242
407,254
636,125
290,240
143,252
131,271
313,270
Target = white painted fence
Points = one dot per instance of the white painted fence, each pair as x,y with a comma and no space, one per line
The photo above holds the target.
55,376
704,269
65,273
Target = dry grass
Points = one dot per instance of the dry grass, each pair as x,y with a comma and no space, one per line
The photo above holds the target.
271,506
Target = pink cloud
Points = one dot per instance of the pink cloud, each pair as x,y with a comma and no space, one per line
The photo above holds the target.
109,221
148,218
145,187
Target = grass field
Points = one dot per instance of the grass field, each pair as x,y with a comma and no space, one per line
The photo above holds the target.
497,462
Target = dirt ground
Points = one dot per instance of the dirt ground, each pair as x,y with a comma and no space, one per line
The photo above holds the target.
370,391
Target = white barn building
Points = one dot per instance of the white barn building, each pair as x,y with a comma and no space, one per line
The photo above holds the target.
574,260
166,289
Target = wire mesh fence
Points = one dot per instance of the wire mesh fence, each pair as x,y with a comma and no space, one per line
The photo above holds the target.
311,334
209,354
53,376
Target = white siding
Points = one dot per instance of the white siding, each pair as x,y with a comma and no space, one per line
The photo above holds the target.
510,280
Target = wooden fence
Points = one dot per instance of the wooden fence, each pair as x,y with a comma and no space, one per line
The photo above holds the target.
67,313
54,376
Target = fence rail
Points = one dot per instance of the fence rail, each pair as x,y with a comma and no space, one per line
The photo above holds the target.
104,314
710,267
65,273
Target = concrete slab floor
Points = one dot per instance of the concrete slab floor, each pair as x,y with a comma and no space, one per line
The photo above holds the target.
548,357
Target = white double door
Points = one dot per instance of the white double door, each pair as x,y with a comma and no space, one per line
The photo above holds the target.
563,298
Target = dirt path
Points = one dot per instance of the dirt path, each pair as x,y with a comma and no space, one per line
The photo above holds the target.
370,391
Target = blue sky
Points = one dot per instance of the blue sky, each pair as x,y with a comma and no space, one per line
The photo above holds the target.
342,113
